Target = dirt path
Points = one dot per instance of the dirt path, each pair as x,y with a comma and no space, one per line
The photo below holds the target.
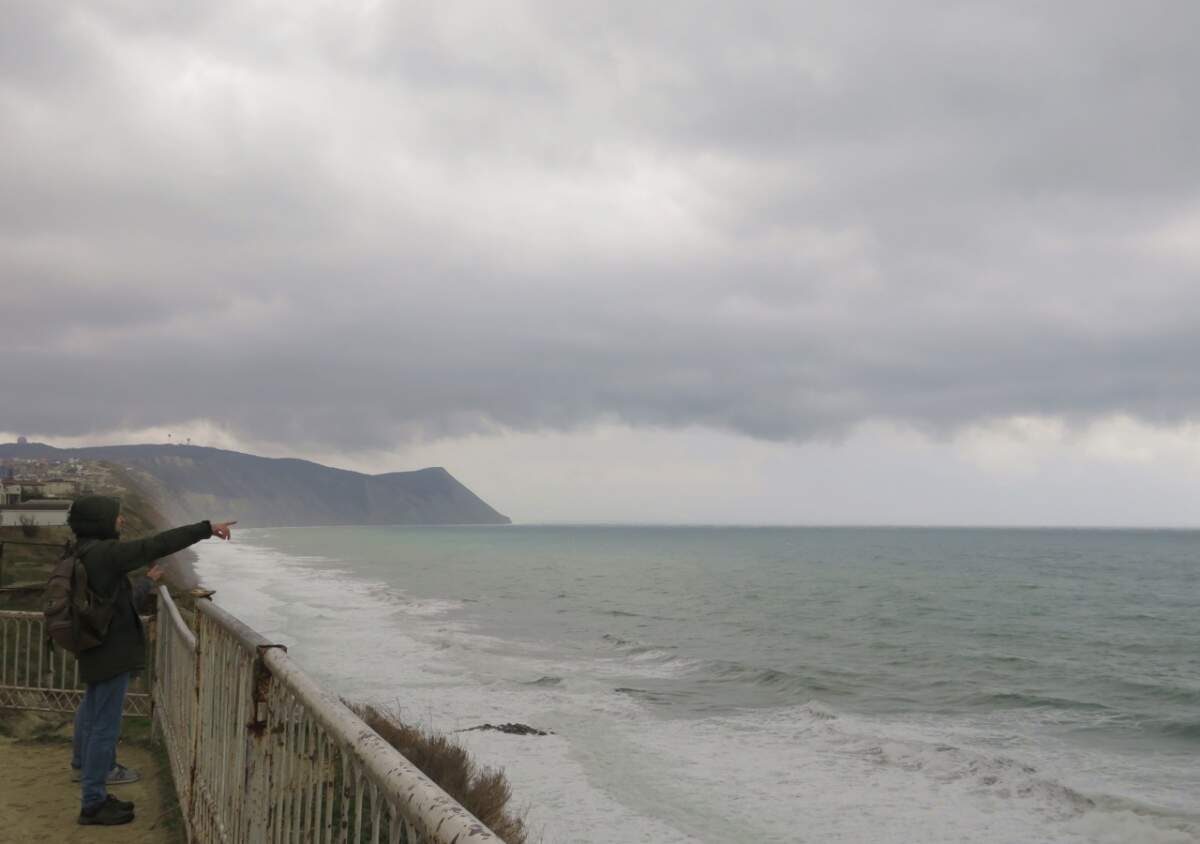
38,801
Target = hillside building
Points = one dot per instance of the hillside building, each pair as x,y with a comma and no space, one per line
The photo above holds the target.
41,512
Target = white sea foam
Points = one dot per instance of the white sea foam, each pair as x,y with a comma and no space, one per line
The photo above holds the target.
616,771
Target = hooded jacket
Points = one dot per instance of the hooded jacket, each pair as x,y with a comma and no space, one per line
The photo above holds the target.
108,562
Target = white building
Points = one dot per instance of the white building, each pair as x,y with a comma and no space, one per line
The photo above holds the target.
41,512
10,493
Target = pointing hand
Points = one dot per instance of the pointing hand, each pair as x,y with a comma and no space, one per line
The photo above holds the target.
221,529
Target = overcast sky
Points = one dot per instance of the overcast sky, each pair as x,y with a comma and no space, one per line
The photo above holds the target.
678,261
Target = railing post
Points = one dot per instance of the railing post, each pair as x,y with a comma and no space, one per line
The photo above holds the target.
258,753
195,727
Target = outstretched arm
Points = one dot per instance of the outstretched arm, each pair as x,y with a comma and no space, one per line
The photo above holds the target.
129,556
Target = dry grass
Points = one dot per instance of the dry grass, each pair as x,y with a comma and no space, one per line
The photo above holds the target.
484,793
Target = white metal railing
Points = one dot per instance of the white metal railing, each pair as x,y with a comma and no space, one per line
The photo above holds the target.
261,753
35,676
175,693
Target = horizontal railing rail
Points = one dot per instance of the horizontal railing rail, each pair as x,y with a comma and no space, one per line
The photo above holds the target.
36,676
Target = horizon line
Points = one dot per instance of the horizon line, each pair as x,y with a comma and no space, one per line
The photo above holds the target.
759,525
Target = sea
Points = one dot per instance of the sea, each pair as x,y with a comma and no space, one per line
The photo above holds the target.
738,684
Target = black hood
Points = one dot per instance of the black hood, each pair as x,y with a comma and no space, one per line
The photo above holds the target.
95,517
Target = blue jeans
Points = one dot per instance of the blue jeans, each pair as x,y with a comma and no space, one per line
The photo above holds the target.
97,728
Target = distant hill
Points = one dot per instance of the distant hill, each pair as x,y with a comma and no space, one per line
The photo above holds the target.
193,483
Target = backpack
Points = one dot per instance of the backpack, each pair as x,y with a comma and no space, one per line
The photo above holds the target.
77,619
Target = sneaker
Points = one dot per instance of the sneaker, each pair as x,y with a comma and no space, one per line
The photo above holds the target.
108,813
119,775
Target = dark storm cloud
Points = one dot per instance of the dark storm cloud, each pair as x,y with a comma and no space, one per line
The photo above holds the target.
350,227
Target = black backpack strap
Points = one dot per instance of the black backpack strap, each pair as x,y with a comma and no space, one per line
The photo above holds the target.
74,615
81,547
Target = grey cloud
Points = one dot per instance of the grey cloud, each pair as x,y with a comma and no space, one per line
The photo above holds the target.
776,219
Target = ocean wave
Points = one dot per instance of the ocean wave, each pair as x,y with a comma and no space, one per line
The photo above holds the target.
1119,820
1181,729
1031,700
1175,729
1163,691
424,608
775,682
657,696
643,650
780,684
766,678
1007,778
546,681
1129,827
817,711
995,776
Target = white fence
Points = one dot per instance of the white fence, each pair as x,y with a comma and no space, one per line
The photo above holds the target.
259,752
32,676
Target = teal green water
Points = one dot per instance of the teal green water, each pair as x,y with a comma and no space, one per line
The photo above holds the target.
1103,624
1072,655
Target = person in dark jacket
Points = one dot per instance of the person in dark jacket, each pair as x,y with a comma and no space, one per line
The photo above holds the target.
107,668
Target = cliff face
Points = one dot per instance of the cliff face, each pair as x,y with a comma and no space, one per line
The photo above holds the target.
194,483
